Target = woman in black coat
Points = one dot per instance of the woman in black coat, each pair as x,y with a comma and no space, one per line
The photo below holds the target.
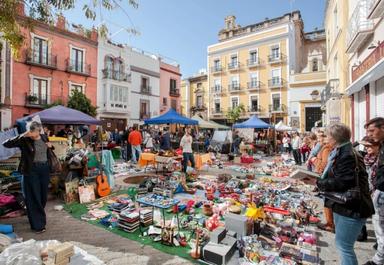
342,174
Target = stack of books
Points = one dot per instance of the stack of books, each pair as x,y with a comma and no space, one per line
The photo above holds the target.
146,217
128,220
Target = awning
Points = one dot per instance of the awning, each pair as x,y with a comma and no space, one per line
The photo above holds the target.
376,72
208,124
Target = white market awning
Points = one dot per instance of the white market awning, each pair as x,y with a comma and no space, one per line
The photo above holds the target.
376,72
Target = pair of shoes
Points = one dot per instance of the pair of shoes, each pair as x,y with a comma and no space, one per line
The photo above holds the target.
40,231
370,263
375,246
326,227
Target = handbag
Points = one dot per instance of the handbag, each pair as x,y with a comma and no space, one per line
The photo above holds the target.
346,197
53,162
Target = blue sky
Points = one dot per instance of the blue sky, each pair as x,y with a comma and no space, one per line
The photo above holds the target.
182,29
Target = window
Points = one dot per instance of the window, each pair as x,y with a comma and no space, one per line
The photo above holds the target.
276,101
145,85
40,91
77,87
217,83
118,96
144,109
199,101
235,81
40,51
172,85
174,104
335,22
233,61
253,57
254,103
217,65
77,60
217,105
165,103
234,102
335,67
275,52
254,78
276,79
199,85
315,65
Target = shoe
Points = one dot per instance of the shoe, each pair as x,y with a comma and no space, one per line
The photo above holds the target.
40,231
375,246
326,227
363,236
370,263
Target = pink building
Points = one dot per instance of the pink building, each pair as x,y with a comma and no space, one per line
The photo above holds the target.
170,79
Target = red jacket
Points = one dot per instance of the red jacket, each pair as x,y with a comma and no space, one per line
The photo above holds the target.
135,138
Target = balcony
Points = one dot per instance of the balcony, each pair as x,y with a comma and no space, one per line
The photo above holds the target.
217,90
145,115
360,28
235,87
198,108
254,85
77,67
276,82
376,9
274,108
174,92
35,100
276,58
146,90
233,66
217,69
253,62
37,59
217,112
116,75
254,109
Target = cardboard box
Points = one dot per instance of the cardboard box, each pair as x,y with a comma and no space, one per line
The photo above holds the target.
61,253
236,223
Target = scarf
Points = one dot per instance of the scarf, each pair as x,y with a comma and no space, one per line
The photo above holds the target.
331,159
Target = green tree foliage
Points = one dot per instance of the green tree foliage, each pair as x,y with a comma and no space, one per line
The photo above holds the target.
46,10
53,104
234,113
80,102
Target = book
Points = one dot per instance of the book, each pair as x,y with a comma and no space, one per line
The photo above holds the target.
303,174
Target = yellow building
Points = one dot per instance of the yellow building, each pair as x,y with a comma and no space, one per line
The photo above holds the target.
251,66
335,102
195,95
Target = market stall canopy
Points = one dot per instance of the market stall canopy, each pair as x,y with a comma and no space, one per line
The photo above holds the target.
208,124
253,122
282,127
62,115
171,117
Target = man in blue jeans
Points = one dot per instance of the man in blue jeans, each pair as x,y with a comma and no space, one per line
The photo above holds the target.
186,145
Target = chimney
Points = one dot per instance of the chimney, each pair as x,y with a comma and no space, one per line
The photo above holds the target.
60,22
20,9
94,34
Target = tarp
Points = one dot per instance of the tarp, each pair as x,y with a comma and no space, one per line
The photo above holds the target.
282,127
62,115
208,124
171,117
253,122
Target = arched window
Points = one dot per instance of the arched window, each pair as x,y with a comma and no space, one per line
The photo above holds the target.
118,65
315,65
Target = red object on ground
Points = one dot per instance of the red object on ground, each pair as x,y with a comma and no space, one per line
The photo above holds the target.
276,210
246,159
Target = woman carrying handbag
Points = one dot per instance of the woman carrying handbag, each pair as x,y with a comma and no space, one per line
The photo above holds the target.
346,191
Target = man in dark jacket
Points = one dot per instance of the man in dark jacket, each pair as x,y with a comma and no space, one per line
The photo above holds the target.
35,168
375,130
165,140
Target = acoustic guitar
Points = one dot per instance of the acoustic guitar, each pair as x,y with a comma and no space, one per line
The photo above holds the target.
102,187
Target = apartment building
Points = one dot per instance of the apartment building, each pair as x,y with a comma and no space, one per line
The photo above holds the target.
251,65
365,51
307,82
195,95
53,61
113,84
170,78
144,98
334,100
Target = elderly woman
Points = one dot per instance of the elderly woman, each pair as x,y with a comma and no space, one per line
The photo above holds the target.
340,176
34,166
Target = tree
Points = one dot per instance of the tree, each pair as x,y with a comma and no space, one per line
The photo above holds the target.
45,10
53,104
80,102
234,113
